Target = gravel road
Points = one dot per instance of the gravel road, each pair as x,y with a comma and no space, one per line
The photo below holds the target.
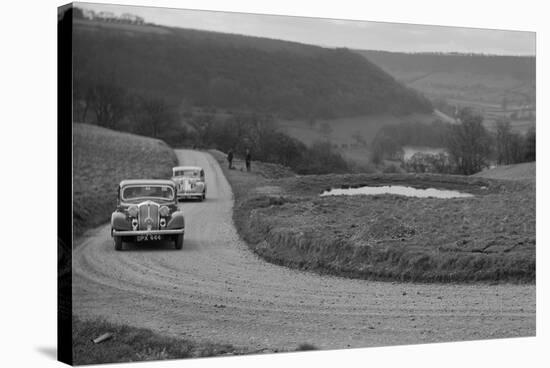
215,289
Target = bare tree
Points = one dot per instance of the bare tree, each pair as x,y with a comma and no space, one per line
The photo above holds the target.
157,115
108,101
469,143
508,145
82,101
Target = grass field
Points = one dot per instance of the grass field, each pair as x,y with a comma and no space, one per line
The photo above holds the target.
130,344
482,92
525,171
343,131
101,159
490,237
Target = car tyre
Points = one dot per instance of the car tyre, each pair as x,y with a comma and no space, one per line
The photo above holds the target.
179,241
117,240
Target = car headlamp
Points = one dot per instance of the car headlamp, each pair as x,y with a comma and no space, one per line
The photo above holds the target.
133,211
164,211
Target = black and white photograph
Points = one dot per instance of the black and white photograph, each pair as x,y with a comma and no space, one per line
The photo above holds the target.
249,184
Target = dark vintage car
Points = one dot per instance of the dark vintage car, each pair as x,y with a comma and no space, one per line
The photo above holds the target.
147,211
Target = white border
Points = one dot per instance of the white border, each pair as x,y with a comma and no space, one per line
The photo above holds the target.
28,257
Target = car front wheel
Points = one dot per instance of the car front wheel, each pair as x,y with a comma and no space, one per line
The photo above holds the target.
179,241
117,240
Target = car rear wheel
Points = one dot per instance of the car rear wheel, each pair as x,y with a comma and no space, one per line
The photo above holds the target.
179,241
117,240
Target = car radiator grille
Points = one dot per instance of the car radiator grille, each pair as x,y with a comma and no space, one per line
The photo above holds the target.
148,216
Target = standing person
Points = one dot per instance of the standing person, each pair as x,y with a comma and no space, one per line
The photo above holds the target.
230,158
248,158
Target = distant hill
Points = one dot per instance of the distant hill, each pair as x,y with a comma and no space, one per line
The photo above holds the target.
233,72
497,85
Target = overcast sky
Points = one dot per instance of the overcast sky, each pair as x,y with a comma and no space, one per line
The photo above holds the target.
339,33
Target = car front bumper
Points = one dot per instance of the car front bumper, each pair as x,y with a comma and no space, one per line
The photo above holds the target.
147,232
190,194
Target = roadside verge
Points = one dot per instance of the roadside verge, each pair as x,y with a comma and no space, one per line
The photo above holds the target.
101,159
488,238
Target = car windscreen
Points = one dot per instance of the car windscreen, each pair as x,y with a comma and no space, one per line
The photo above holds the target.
164,192
187,173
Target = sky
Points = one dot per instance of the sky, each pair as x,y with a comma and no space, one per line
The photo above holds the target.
339,33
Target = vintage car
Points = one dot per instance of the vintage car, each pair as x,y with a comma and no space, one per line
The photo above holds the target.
147,210
190,182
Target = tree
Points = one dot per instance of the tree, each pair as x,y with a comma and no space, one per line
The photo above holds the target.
157,115
203,125
531,145
385,147
82,101
503,142
510,147
108,101
359,139
468,143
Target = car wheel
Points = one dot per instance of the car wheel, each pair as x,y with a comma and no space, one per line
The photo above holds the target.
179,241
204,195
117,240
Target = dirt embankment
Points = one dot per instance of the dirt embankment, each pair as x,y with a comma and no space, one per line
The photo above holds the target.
101,159
490,237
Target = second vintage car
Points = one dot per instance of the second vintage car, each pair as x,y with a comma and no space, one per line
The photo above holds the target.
147,210
190,182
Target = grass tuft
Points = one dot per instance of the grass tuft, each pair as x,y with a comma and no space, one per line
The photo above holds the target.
130,344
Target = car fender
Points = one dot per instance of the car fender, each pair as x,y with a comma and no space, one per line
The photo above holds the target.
119,221
177,221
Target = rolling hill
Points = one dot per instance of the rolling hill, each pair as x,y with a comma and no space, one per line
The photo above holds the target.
496,85
237,73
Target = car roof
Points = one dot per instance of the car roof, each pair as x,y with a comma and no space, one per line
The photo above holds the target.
147,182
187,168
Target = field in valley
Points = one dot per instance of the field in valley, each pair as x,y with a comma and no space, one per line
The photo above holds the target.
343,132
481,82
101,159
489,237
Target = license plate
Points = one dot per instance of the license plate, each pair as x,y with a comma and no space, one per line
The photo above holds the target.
148,237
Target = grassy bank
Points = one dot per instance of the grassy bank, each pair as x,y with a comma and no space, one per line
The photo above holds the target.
130,344
490,237
101,159
525,171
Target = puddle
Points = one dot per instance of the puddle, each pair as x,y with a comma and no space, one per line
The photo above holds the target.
398,190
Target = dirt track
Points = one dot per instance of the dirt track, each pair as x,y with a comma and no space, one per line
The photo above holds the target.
215,289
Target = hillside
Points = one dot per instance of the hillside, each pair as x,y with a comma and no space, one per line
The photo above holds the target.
497,85
232,72
526,171
101,159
